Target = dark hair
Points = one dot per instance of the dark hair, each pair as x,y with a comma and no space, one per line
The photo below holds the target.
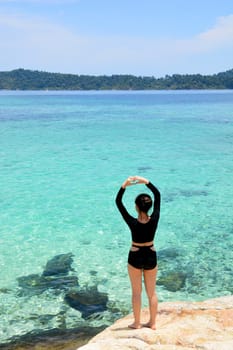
144,202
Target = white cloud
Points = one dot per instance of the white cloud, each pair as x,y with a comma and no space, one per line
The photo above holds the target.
220,36
221,33
39,44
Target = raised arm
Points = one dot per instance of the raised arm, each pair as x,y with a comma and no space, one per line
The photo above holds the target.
157,198
120,205
128,182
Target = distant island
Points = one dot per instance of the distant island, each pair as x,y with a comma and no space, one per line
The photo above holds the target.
24,79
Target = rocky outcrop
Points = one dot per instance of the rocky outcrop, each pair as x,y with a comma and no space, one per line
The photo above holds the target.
206,325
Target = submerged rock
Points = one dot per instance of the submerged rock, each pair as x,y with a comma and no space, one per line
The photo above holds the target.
5,290
173,280
87,301
169,253
59,264
192,193
36,284
144,168
53,339
171,196
55,276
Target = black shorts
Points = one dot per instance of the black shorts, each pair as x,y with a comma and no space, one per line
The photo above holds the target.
143,258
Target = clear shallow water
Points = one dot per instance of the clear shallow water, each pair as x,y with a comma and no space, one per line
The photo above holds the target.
63,156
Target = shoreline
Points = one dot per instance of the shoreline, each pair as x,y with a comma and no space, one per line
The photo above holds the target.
85,337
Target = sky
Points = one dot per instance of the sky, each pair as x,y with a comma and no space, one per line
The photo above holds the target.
105,37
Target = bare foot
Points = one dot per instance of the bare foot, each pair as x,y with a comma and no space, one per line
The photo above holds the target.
135,326
149,325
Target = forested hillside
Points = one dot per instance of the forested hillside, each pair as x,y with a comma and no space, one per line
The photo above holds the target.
22,79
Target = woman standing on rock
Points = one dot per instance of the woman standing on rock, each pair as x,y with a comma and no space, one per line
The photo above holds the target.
142,258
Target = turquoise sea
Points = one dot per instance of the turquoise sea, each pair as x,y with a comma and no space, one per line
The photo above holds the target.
63,157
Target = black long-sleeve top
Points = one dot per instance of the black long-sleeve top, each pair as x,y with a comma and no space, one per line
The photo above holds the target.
141,232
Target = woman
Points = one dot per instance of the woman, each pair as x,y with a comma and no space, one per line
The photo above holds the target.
142,258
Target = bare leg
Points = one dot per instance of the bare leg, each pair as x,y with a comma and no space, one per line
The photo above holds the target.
150,285
135,276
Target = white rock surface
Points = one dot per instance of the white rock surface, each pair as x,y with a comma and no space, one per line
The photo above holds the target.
204,325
